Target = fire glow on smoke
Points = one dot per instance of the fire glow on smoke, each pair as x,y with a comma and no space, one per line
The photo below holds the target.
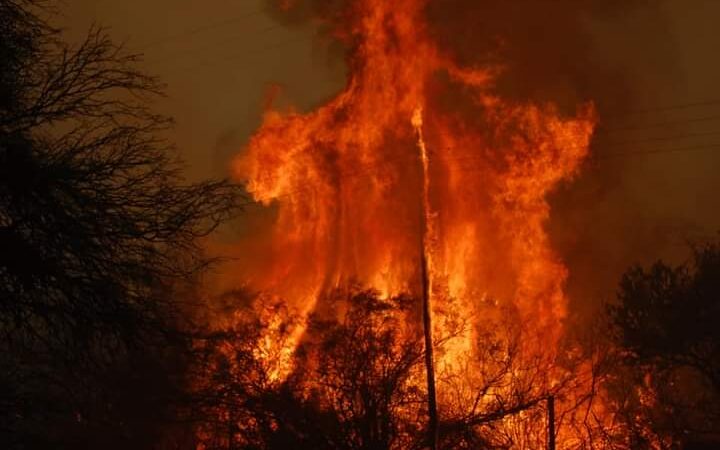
417,154
347,182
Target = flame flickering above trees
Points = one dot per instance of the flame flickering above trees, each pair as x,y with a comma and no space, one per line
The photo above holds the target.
348,188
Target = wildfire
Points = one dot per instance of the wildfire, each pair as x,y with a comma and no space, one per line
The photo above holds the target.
356,208
348,193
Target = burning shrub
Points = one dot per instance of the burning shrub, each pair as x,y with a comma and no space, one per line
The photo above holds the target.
358,381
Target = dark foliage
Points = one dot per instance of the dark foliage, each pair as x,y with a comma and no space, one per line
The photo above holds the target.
96,227
667,321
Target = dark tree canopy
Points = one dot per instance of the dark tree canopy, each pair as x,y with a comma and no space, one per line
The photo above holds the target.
669,316
96,226
666,321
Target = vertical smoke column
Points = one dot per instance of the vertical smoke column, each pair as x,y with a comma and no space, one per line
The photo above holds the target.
426,264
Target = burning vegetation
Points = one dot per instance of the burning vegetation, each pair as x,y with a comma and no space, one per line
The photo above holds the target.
408,295
422,301
419,179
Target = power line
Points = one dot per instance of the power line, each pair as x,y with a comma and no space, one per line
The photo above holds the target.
660,151
200,29
657,124
209,27
236,19
661,139
189,52
599,131
670,107
242,56
214,61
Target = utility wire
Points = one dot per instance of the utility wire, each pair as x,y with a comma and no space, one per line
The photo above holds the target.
217,62
236,19
189,52
671,107
366,169
660,151
657,124
200,29
600,130
242,56
660,139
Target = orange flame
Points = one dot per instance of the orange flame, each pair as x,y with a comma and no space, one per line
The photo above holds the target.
348,190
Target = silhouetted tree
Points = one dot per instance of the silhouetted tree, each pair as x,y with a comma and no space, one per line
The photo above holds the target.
96,227
364,365
667,321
